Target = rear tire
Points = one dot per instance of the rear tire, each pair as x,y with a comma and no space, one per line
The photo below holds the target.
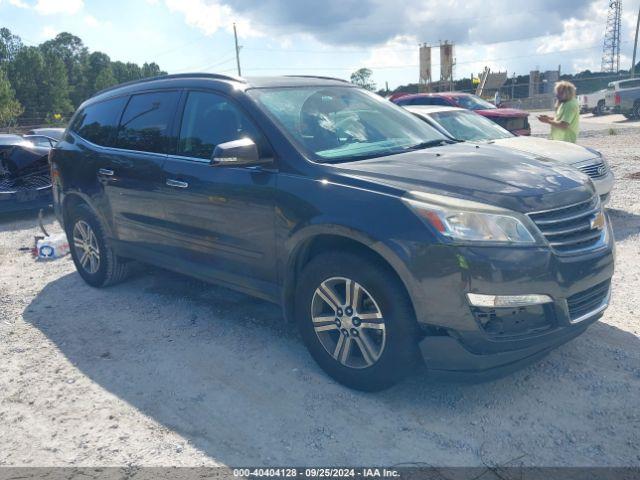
599,110
91,252
365,339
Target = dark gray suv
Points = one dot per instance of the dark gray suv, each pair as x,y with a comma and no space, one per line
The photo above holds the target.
385,242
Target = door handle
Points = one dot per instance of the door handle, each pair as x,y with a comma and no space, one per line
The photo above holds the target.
177,183
105,171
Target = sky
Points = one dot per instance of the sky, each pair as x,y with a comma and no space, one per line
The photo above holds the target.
331,37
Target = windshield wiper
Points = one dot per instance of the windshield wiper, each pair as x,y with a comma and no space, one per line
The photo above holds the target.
432,143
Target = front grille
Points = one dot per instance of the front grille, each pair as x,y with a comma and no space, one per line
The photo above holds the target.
570,229
595,170
588,300
32,181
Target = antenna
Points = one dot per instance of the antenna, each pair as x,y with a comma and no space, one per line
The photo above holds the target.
611,45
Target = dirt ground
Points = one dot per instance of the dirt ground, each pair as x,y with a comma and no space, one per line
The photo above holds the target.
164,370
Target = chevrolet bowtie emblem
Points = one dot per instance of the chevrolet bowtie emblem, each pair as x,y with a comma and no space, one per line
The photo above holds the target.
597,221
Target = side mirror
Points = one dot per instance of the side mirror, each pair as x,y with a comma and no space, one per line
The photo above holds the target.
238,153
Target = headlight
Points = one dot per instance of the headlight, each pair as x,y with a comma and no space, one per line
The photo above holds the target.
469,221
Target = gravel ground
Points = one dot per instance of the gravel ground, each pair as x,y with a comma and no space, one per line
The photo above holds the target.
164,370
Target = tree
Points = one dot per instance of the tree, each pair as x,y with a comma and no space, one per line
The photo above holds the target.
73,53
105,79
151,70
10,108
126,72
362,78
45,84
10,44
40,83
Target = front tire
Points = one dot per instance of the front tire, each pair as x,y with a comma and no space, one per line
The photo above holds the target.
91,252
356,321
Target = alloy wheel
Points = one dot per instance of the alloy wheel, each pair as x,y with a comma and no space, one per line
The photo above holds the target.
348,322
86,246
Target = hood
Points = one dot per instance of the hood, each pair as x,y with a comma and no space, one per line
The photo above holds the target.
561,151
502,113
22,159
483,173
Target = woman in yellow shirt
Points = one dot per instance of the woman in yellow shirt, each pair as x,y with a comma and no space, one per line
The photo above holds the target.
566,124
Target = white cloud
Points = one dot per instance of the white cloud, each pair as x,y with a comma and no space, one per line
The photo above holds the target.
209,17
91,21
49,7
18,3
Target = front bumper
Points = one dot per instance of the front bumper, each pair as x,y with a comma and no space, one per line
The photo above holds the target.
25,200
604,186
471,341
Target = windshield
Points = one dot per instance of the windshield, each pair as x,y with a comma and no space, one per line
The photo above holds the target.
337,124
471,102
469,126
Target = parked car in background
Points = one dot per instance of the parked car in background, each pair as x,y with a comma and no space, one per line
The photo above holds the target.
623,96
55,133
516,121
25,181
381,238
460,124
593,102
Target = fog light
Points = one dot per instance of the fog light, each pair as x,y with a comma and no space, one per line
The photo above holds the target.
496,301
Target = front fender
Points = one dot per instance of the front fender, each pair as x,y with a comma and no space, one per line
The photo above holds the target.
393,254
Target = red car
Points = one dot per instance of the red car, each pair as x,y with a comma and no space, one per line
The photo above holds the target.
516,121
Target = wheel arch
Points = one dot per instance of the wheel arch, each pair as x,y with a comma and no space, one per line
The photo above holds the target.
307,245
74,199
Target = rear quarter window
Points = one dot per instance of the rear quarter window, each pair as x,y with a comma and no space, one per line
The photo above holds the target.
98,123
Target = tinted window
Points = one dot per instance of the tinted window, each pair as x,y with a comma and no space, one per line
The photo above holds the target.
630,84
98,123
146,122
209,120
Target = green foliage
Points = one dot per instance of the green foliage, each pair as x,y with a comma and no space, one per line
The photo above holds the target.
45,84
10,108
41,84
362,78
9,45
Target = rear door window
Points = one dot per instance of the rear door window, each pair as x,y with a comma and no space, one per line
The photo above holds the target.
146,124
98,123
210,119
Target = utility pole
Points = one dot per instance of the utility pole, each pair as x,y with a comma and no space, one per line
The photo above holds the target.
235,36
635,47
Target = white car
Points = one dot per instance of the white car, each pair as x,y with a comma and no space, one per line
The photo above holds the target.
464,125
593,102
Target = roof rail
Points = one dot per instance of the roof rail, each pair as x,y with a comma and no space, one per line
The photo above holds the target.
214,76
319,77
